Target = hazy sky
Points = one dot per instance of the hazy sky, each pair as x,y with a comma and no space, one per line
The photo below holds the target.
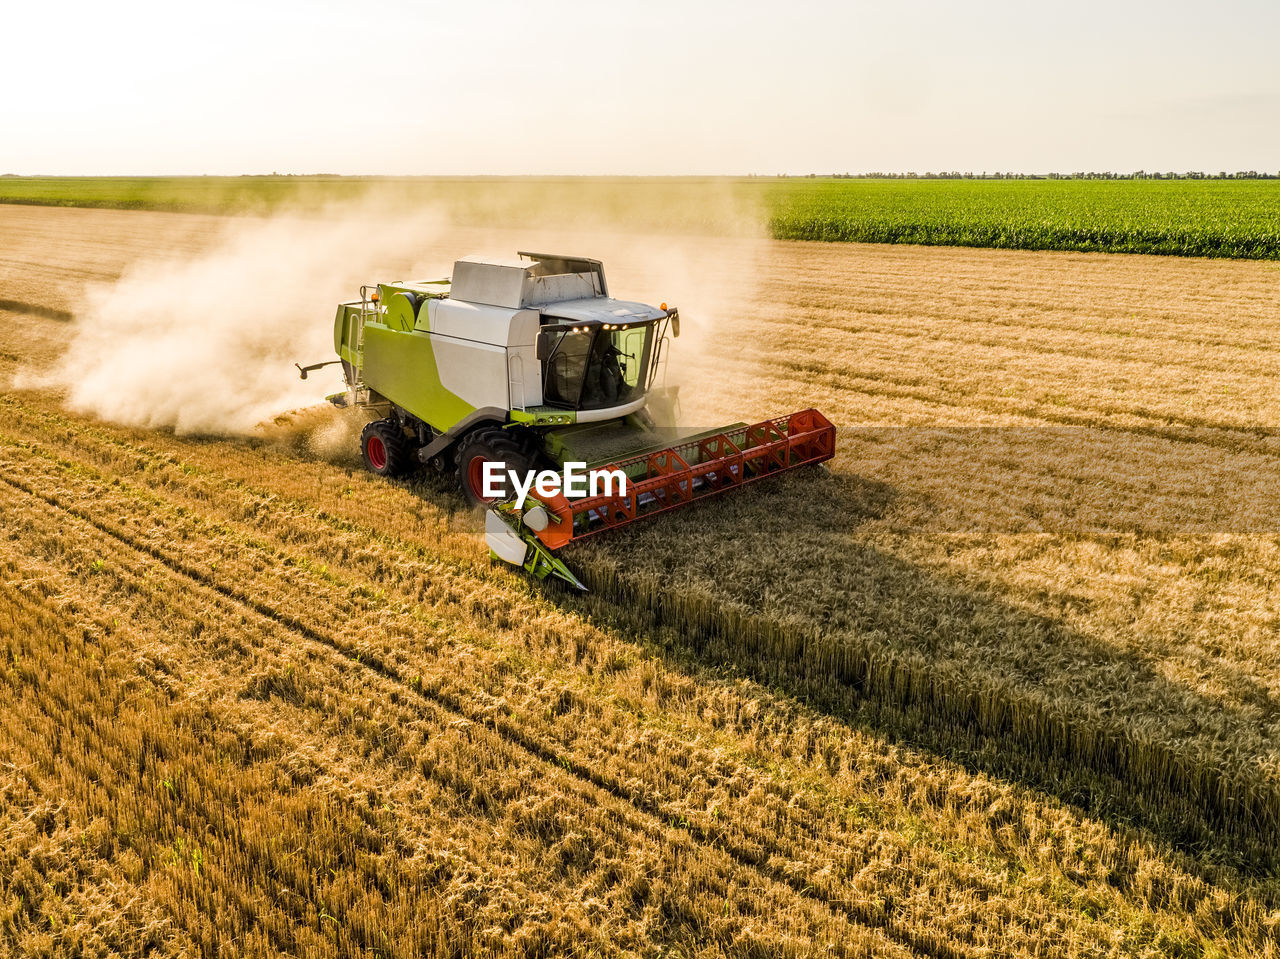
653,87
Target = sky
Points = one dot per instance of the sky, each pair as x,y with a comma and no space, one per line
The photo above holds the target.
660,87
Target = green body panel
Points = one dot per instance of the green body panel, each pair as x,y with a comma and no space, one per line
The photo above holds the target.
544,416
598,444
424,288
398,363
400,314
344,328
402,367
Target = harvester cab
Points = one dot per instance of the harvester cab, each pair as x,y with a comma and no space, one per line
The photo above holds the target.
523,366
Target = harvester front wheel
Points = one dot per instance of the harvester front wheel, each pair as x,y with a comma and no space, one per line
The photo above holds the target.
385,449
490,445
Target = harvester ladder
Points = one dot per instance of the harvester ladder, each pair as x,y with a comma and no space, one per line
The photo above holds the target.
515,380
367,308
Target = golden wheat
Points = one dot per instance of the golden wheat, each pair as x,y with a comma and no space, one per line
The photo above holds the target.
507,768
523,659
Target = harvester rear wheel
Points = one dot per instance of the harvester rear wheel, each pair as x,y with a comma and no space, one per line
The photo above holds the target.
491,445
385,448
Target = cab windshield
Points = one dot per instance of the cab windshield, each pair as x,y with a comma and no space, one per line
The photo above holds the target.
593,368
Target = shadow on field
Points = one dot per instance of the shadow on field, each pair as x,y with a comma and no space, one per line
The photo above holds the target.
795,584
934,663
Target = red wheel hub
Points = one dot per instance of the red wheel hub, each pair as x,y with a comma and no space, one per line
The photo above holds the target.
377,452
475,479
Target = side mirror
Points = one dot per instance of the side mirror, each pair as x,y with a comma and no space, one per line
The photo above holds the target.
675,322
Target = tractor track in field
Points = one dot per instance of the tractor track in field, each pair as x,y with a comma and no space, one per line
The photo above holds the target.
1140,347
35,309
655,820
90,438
102,438
1179,429
267,644
284,882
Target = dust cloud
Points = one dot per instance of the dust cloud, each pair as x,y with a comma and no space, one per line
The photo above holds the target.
205,344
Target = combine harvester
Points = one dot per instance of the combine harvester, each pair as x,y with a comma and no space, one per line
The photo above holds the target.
529,363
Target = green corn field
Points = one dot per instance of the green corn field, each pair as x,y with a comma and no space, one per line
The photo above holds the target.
1237,218
1219,218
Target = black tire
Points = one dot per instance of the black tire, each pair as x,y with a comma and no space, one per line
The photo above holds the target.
515,449
386,449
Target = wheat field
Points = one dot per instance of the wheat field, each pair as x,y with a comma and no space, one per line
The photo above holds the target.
999,682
